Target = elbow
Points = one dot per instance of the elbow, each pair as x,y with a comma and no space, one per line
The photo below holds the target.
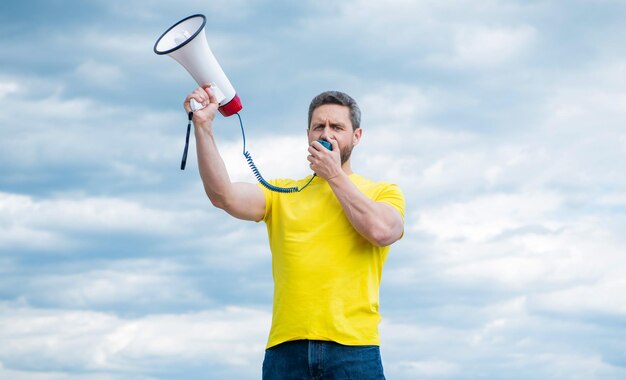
225,204
220,196
222,203
218,203
383,237
383,234
382,241
385,231
217,200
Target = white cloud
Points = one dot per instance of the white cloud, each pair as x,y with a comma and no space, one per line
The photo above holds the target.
99,74
504,130
54,221
8,88
56,130
146,283
488,216
396,104
281,156
479,46
604,298
522,242
455,34
574,366
501,339
138,9
426,369
91,341
7,373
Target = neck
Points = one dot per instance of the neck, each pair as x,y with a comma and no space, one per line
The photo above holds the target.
346,167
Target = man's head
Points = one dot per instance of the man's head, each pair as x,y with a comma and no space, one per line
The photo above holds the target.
335,115
341,99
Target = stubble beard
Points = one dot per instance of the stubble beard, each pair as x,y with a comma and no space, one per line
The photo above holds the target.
345,153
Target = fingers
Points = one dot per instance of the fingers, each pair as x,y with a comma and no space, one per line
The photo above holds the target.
203,95
208,90
316,153
333,141
313,147
316,146
312,161
199,96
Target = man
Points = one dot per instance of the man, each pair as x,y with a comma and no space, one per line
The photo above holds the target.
328,242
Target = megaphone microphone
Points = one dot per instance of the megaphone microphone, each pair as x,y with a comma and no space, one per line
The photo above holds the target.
186,42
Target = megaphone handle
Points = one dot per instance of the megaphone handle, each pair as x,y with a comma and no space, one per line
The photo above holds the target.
183,161
195,106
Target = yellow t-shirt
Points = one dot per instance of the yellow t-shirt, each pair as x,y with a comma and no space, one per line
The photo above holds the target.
326,275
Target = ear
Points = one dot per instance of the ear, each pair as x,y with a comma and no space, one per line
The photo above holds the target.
356,136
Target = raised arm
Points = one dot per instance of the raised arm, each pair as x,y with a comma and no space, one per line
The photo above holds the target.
241,200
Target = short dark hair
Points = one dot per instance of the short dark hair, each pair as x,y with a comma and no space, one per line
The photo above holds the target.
339,98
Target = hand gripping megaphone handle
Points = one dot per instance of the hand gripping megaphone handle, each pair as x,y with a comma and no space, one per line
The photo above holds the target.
195,106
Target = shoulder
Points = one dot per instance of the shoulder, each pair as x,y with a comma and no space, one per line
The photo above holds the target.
381,191
375,187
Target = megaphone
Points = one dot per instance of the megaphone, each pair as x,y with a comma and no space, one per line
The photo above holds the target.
186,42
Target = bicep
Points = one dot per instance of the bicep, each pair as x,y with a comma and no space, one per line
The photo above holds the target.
247,203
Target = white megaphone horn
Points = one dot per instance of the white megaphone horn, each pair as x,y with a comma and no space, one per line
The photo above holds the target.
186,43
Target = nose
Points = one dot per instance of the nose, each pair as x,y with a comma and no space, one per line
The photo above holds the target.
326,133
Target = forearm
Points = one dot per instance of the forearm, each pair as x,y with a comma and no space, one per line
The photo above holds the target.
241,200
378,222
215,178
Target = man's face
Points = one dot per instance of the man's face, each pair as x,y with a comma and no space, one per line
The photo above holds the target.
333,121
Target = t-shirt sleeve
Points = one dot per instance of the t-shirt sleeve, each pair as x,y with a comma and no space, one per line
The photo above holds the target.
268,201
271,196
391,194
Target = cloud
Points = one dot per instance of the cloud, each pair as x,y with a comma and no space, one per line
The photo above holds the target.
99,74
8,88
86,341
478,46
502,123
506,331
57,221
428,368
7,373
599,300
489,216
147,284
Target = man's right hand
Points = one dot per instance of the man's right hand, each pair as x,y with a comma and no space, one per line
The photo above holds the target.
203,119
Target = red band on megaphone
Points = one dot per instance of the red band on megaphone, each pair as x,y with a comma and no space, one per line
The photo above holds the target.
231,107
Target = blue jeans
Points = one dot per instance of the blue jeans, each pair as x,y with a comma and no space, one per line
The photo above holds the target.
322,360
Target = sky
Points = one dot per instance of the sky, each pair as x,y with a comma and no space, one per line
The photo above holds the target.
504,123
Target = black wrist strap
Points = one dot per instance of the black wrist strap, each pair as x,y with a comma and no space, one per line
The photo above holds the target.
183,162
